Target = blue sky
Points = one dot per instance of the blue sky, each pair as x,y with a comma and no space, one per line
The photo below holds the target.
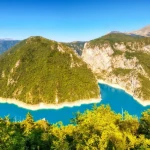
71,20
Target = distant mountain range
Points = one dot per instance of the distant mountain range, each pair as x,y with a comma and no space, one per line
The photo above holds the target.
77,46
142,32
6,44
7,39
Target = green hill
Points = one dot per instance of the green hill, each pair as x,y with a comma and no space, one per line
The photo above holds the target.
117,37
40,70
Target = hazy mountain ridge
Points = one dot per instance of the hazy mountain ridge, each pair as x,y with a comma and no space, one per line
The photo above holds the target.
6,44
77,46
121,59
40,70
142,32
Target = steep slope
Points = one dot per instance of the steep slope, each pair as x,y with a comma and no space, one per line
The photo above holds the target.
121,59
7,44
76,46
142,32
40,70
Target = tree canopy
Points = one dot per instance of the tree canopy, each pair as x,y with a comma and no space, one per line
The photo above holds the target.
96,129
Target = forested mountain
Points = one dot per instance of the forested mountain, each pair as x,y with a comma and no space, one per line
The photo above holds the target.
7,44
121,59
40,70
98,129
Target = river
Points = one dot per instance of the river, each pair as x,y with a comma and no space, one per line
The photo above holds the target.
118,100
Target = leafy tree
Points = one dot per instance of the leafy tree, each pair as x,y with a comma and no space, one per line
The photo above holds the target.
99,128
144,127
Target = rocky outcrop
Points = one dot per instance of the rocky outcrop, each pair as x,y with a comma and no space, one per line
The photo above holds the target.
110,63
99,58
102,58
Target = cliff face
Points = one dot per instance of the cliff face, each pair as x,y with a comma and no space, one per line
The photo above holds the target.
124,63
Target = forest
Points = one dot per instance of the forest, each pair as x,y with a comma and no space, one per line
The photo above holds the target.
37,70
96,129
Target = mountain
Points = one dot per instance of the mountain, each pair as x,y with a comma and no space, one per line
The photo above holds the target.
6,44
123,60
77,46
142,32
40,70
115,32
6,39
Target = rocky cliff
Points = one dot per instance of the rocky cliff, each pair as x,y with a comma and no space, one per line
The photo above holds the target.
121,59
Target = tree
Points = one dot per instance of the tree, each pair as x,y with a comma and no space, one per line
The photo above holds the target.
144,127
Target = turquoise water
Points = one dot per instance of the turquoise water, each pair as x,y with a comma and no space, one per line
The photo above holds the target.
116,98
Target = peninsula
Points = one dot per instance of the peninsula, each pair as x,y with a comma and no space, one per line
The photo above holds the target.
41,71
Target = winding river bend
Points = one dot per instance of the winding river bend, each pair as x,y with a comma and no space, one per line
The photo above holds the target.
116,98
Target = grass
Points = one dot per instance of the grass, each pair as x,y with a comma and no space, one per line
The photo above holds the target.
145,87
121,71
117,52
143,58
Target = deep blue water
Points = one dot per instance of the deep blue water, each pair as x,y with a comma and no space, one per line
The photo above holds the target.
116,98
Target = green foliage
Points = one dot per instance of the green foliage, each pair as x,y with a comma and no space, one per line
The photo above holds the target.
145,124
128,55
113,38
99,128
144,60
117,52
121,71
145,87
35,70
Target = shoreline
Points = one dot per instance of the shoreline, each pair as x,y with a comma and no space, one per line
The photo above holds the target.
41,106
143,103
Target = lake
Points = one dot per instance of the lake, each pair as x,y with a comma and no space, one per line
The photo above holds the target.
116,98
